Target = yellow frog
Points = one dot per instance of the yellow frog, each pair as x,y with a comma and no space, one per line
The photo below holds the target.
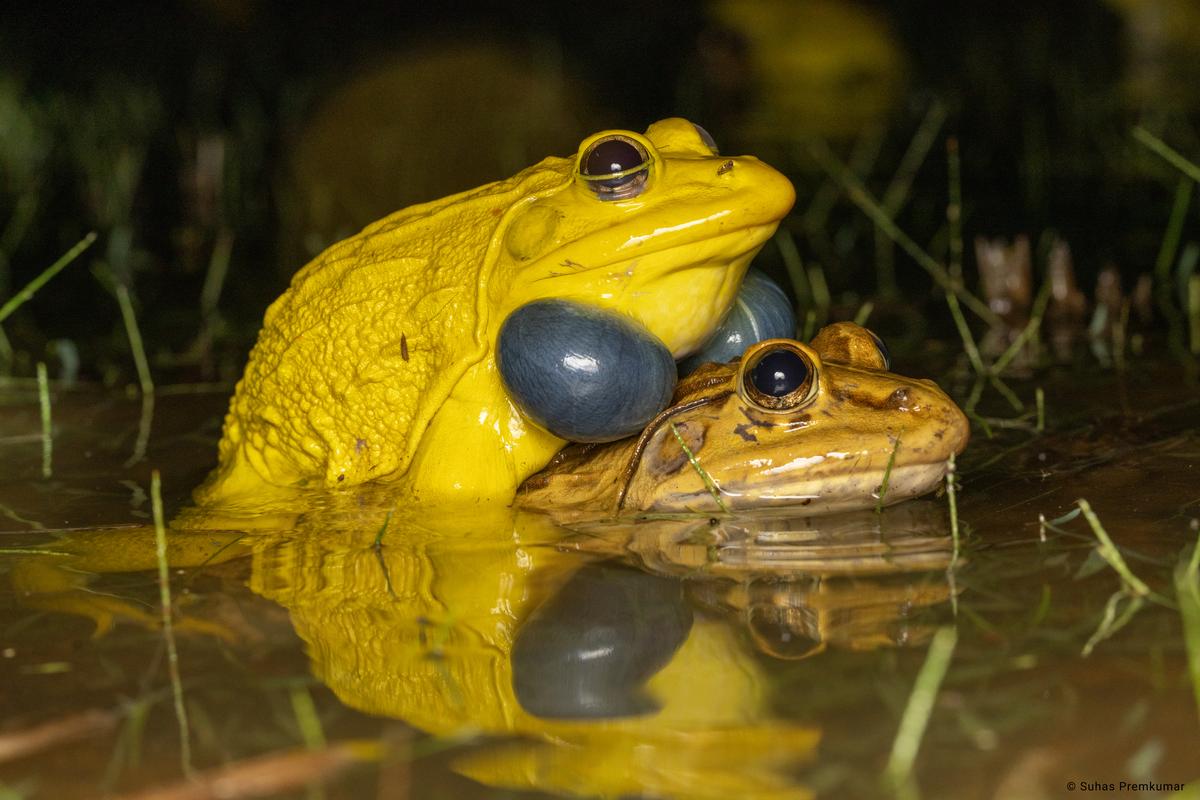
378,363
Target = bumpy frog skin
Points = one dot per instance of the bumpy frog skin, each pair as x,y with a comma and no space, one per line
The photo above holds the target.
827,450
378,362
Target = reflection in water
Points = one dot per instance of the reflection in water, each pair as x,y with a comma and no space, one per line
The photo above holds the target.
599,677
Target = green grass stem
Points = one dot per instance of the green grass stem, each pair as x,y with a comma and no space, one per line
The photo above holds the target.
1109,552
1040,400
952,500
1174,231
794,266
1027,333
47,432
862,197
1110,623
164,589
964,332
1194,313
145,382
898,773
887,476
864,313
1166,152
307,719
703,473
21,297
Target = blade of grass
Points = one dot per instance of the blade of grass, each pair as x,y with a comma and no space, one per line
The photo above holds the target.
18,299
861,197
1170,240
1166,152
887,476
704,476
965,334
1110,623
864,313
47,434
898,773
143,370
952,499
164,590
1109,552
1194,313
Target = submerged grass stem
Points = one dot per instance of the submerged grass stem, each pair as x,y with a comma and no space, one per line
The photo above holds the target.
898,773
164,588
1109,552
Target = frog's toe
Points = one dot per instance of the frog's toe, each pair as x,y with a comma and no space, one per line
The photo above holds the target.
761,311
583,373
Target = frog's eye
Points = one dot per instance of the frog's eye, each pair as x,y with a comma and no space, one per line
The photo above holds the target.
780,378
615,167
883,351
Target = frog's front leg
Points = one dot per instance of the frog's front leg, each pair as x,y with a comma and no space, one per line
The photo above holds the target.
478,446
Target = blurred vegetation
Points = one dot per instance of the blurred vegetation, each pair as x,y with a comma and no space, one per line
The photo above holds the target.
216,145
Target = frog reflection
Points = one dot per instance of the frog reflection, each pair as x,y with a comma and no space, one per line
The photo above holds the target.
603,679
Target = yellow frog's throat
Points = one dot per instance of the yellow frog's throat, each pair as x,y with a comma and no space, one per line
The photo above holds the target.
378,362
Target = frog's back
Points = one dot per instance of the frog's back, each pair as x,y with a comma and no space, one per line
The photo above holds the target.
357,355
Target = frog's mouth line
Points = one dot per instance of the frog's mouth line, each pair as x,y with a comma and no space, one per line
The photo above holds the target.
716,243
815,494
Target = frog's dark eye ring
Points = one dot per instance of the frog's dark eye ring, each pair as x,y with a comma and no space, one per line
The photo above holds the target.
779,377
615,167
884,353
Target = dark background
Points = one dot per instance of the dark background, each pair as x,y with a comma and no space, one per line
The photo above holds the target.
176,129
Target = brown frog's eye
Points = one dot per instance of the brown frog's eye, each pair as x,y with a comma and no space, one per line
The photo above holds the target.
883,351
780,378
615,167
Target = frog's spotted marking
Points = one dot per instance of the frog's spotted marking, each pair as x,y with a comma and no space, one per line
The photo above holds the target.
404,346
743,430
635,457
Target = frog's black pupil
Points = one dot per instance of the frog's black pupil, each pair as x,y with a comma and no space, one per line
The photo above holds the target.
883,351
779,372
612,155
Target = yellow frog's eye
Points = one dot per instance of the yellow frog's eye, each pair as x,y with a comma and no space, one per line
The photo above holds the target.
883,351
615,167
780,377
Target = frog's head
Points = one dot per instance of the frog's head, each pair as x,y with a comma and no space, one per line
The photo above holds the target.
658,226
788,424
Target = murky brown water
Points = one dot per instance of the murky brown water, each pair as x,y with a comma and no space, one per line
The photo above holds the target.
498,656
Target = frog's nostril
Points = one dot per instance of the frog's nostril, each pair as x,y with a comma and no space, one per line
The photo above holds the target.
725,167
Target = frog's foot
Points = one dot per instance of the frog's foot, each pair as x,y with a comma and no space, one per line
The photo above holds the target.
585,374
